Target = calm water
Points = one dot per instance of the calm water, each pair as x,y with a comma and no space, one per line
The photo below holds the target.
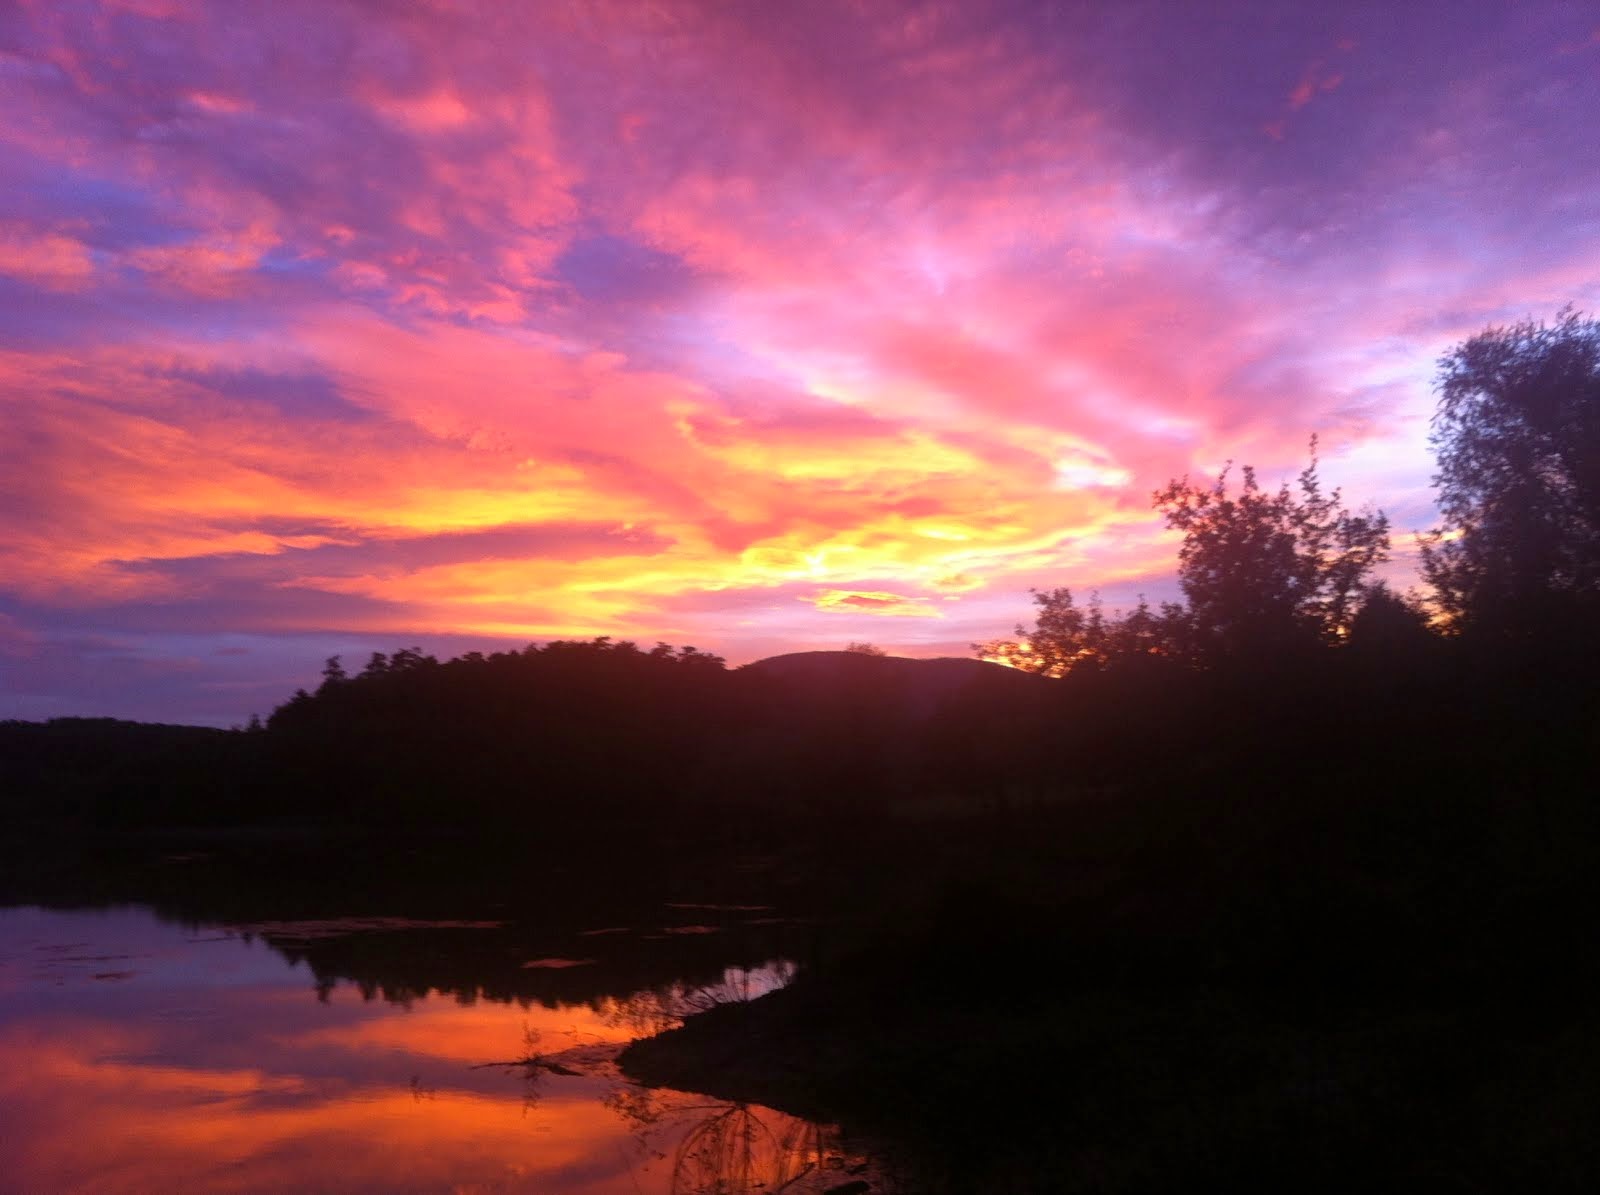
138,1054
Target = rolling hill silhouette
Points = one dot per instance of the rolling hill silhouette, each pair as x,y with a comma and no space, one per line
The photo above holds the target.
915,686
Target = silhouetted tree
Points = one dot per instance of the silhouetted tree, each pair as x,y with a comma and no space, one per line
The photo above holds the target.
1517,433
333,674
1387,623
1067,636
525,734
1263,571
1270,570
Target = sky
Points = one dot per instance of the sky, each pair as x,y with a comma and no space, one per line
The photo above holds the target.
333,327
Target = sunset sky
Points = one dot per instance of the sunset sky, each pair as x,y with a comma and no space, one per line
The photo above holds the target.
753,324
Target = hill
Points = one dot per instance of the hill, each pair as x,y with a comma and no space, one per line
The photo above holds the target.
918,686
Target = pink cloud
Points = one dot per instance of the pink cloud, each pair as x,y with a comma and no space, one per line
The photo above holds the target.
214,265
48,259
1317,79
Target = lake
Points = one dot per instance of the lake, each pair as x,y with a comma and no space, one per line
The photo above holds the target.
145,1052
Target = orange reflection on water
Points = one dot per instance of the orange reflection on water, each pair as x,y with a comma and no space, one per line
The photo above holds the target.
99,1113
165,1081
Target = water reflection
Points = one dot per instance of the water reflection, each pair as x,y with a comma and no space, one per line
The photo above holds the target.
142,1056
553,962
734,1148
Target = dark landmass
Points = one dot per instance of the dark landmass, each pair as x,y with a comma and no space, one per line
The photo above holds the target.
1308,930
1114,1030
1134,929
554,741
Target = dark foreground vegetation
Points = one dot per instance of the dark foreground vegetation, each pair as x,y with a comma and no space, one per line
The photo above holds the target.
1284,886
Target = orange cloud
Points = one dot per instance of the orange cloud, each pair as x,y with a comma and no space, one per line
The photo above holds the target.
892,604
